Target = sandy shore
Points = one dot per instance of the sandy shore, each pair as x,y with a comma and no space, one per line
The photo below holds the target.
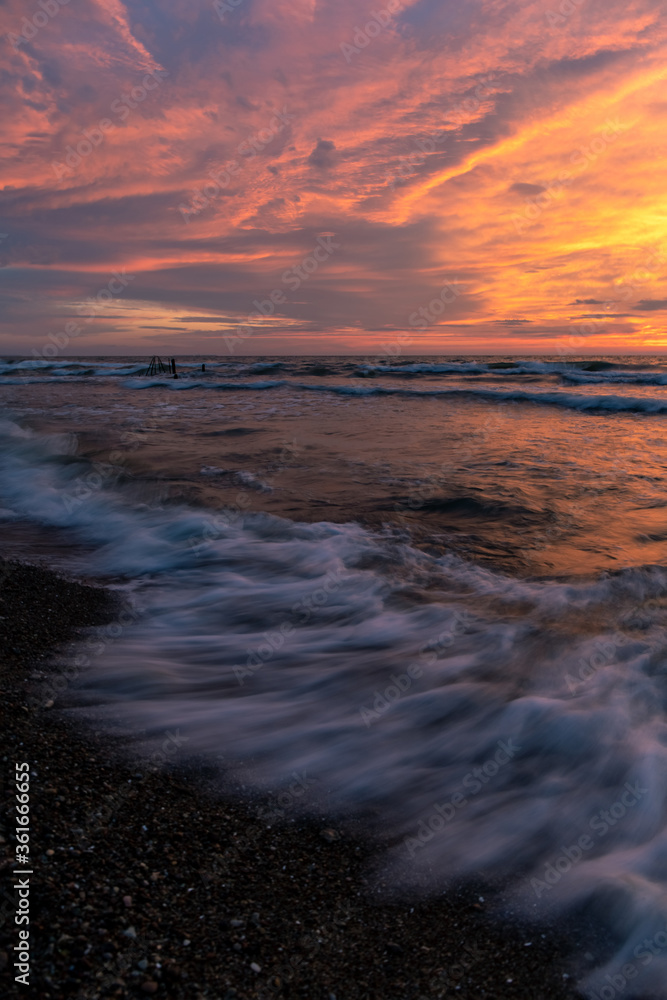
147,882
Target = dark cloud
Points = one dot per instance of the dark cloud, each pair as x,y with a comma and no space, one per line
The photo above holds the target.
324,155
243,102
586,65
384,138
526,190
651,305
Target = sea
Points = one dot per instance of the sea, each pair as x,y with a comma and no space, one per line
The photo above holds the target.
428,593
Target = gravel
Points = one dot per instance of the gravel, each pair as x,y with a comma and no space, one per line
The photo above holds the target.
149,882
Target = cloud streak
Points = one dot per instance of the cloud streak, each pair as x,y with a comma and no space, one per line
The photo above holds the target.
419,154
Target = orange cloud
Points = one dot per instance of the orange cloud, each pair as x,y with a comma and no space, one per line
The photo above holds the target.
516,153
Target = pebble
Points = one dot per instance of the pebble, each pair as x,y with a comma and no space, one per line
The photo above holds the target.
255,967
332,901
127,900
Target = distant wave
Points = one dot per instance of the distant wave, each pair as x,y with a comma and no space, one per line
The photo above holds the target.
620,378
180,385
424,368
589,403
510,368
578,372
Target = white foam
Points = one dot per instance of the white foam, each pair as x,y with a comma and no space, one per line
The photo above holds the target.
291,644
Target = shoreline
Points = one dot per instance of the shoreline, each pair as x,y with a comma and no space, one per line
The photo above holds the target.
148,881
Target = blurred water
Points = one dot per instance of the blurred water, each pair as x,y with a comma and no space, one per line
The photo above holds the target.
447,604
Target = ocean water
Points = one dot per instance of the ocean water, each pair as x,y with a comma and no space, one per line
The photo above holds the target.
436,587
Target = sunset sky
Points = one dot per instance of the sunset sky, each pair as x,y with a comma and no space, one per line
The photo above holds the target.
367,157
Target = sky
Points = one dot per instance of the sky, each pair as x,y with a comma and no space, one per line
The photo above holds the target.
258,177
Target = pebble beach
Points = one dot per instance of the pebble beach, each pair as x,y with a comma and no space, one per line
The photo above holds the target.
150,881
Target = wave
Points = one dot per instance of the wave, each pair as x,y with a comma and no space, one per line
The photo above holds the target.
264,366
475,507
585,369
500,368
484,730
427,368
584,403
106,369
181,385
622,378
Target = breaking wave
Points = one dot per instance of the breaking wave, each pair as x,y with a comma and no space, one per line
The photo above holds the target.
501,725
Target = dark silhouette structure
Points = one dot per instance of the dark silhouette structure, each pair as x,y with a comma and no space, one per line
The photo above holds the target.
158,367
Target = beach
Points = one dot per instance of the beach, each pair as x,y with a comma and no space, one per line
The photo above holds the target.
356,660
147,882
